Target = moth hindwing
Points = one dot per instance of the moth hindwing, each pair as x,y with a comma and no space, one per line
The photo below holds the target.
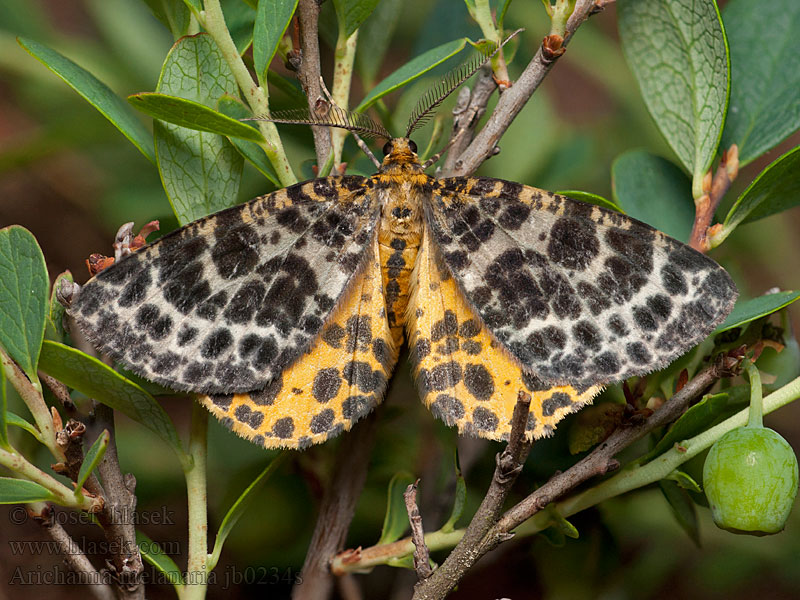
285,315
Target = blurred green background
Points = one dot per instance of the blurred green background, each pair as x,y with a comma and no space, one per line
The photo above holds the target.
71,178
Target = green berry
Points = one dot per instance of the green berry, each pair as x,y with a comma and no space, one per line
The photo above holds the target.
750,479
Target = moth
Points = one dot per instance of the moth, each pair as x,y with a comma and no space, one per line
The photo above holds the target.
285,315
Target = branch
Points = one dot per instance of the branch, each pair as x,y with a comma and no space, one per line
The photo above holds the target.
513,99
601,459
509,465
344,58
118,501
527,518
422,557
706,205
61,392
33,399
336,511
117,516
194,470
256,96
74,555
469,109
309,72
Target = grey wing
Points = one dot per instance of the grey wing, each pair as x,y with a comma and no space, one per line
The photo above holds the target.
224,304
577,293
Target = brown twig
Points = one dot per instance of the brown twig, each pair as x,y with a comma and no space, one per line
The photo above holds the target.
514,99
117,516
509,465
61,392
422,557
308,71
75,557
470,107
707,204
600,461
336,511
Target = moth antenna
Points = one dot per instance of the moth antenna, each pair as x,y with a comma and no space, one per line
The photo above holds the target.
333,117
433,159
451,82
365,149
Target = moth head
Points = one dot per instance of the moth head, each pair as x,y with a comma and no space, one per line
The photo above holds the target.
400,156
399,146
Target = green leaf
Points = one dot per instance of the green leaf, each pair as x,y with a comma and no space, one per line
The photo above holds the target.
554,536
272,19
352,13
172,13
232,107
5,416
192,115
292,89
564,526
395,522
653,190
755,308
54,328
373,40
692,422
153,554
96,93
682,508
776,189
591,198
23,297
594,424
403,562
411,70
558,529
195,5
684,481
16,491
17,421
239,18
678,53
238,508
200,171
764,106
99,381
92,458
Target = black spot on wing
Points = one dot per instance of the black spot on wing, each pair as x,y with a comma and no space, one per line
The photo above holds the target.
356,406
478,381
322,422
326,384
448,409
245,415
236,251
484,419
554,402
573,243
216,343
283,428
245,302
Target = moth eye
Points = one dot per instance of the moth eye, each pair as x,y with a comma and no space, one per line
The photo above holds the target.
387,148
412,145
